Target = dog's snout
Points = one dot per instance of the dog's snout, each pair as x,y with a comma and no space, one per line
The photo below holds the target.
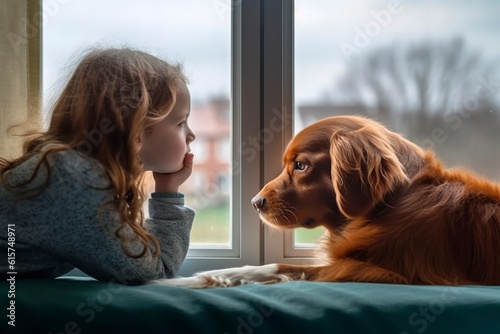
258,202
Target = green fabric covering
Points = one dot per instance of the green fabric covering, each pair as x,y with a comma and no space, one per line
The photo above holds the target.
87,306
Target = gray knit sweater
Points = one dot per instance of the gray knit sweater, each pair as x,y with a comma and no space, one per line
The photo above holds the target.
65,226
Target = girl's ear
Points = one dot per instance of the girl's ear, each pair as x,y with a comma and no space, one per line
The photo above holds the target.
364,169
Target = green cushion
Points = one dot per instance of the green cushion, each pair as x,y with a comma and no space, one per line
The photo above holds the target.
87,306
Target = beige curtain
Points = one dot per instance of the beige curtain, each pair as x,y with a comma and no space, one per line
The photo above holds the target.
20,68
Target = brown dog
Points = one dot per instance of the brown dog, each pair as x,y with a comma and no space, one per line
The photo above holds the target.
392,212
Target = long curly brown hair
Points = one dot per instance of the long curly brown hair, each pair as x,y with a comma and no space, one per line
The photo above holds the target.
113,97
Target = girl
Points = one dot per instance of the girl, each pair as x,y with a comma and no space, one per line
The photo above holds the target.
75,196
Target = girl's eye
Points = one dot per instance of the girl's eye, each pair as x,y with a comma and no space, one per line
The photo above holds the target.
183,123
299,166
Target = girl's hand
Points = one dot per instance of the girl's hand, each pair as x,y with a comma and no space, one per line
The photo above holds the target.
170,182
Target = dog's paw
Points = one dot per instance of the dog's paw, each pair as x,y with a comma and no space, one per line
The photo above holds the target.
244,275
230,277
193,282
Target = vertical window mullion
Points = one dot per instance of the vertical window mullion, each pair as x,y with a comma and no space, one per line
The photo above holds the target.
278,104
278,51
248,78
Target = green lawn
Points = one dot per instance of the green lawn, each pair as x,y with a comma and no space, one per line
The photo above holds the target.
211,226
306,236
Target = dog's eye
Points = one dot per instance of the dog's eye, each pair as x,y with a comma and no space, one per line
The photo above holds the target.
300,166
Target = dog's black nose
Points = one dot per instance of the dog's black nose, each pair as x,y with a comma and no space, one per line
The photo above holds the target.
258,202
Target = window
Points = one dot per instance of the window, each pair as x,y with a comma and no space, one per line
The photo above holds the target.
426,69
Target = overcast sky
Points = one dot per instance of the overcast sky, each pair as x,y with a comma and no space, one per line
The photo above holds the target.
197,33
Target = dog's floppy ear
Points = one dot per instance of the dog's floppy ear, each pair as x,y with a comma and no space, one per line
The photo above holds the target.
364,168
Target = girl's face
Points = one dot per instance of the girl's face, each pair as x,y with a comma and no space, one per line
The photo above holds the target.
163,149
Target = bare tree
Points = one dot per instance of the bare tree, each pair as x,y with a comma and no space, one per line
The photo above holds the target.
421,78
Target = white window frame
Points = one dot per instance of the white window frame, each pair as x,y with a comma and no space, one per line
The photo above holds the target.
263,106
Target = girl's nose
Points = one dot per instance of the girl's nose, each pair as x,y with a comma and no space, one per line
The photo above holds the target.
191,136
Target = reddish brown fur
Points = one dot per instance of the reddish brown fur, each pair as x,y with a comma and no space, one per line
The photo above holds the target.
393,213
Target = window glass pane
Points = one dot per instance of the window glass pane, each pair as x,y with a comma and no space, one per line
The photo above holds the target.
197,34
307,238
426,69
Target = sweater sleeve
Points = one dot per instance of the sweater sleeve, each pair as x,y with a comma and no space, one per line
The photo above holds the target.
71,224
170,222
